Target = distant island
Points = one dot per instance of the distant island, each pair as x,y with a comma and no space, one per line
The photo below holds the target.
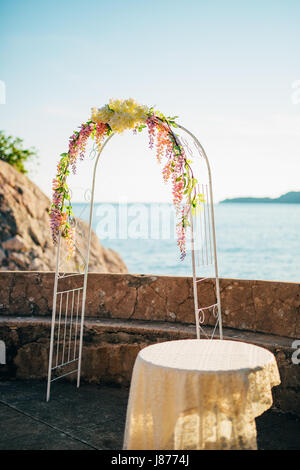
293,197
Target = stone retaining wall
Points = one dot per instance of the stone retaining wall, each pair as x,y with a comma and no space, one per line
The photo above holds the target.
262,306
111,346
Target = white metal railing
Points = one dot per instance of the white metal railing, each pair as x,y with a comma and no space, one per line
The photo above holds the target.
65,334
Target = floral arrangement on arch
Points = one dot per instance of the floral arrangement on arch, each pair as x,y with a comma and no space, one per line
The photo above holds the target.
116,117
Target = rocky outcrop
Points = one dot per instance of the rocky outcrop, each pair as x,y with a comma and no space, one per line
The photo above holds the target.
25,237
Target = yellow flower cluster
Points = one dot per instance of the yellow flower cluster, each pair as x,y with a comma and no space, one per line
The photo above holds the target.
121,114
102,114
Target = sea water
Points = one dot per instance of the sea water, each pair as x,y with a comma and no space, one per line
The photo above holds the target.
254,241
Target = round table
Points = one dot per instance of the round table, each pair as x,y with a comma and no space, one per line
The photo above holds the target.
198,394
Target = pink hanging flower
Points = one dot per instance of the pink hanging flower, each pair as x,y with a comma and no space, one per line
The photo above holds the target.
151,123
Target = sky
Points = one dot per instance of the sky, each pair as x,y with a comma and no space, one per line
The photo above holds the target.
229,69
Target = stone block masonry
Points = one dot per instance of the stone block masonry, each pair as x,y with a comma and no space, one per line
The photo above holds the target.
261,306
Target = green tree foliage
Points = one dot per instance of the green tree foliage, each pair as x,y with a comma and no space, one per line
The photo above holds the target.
12,152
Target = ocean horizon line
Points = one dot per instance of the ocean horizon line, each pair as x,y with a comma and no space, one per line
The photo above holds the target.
171,203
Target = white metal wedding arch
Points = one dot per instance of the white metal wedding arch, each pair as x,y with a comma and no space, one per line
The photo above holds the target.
69,303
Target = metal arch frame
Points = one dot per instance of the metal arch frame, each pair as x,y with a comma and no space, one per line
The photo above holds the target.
78,370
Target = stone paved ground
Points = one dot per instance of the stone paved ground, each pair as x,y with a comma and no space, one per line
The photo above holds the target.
93,417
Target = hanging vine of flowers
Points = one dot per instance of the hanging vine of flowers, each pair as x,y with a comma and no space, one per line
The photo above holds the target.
116,117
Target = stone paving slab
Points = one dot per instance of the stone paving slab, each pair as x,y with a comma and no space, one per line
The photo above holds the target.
20,432
93,417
